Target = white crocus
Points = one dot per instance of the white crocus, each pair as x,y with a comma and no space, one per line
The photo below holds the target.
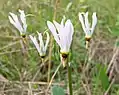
41,47
63,35
83,17
19,21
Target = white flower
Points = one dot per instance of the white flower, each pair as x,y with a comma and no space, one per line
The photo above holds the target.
19,23
62,34
41,48
83,17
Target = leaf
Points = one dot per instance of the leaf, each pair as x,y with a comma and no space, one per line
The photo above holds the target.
56,90
68,6
115,31
103,76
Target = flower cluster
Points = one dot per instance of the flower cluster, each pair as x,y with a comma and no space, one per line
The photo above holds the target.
62,32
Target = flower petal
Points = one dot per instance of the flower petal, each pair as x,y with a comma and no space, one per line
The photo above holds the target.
94,22
47,41
57,25
87,25
42,46
34,40
14,20
53,31
69,30
70,33
23,19
81,18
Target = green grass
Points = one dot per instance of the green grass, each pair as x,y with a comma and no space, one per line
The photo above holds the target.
20,69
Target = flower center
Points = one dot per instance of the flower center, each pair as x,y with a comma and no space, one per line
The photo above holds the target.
64,55
23,35
43,56
88,39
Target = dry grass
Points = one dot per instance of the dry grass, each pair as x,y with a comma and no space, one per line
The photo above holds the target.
25,74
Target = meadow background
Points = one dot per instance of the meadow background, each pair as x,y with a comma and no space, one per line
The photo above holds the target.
25,75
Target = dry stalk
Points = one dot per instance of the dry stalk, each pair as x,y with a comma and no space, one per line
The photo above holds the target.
51,43
14,51
115,50
85,88
30,89
53,77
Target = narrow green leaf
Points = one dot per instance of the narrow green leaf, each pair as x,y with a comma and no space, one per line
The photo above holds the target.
103,76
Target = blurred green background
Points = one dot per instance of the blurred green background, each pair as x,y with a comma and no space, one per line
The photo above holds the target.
14,66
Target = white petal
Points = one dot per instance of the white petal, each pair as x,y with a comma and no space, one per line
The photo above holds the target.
62,26
64,46
70,27
34,40
94,22
87,25
14,20
53,31
47,41
82,22
42,46
66,36
70,33
23,19
69,30
58,26
22,16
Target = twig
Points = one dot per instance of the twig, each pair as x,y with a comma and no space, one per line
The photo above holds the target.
11,44
11,37
116,50
35,82
14,51
53,77
30,89
84,85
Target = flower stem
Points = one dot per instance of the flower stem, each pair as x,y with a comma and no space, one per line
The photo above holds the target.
70,79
